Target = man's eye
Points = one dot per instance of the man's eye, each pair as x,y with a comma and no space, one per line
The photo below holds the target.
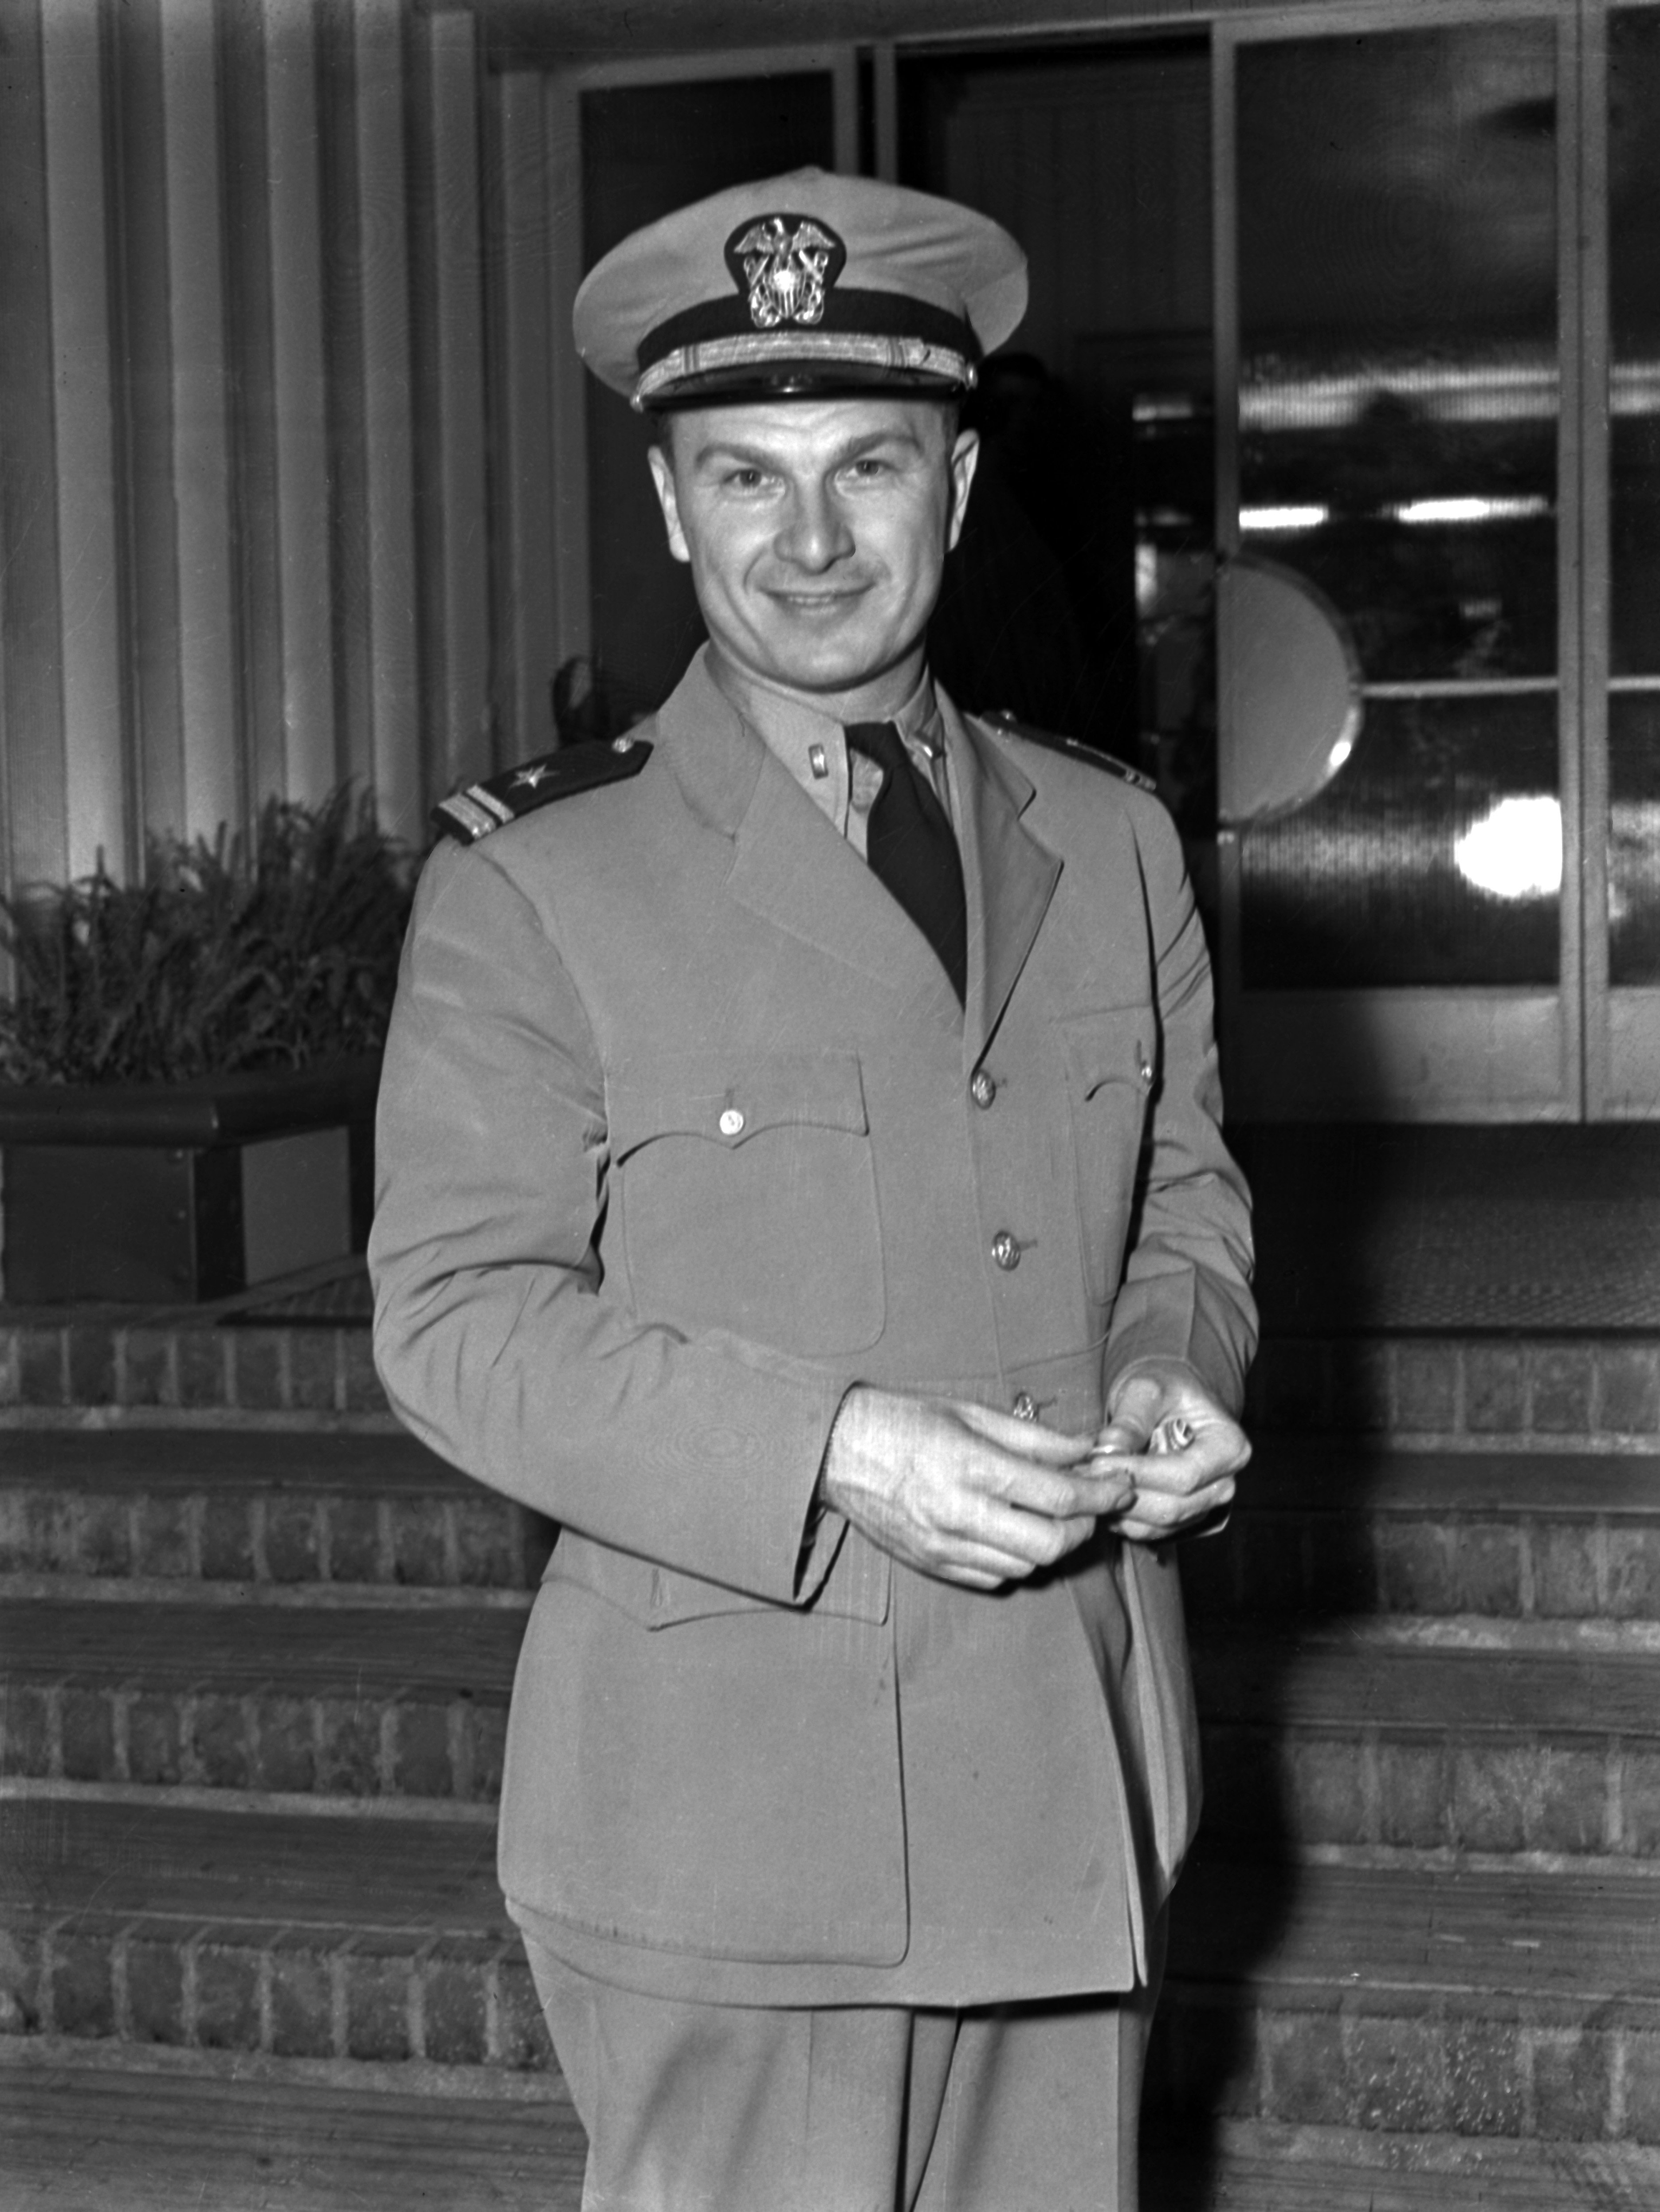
868,467
746,479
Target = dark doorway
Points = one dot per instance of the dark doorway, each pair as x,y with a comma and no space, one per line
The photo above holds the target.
1081,597
647,150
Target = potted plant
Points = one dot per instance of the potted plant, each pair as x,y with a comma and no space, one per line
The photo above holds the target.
188,1063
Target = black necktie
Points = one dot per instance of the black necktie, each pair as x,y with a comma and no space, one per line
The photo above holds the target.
911,849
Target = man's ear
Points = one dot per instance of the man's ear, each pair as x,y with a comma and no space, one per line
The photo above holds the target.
662,475
964,459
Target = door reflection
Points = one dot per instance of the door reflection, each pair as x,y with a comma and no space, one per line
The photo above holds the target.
1399,399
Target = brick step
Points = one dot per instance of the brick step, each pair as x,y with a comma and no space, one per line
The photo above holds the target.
1470,2002
260,1507
1522,2005
1330,1679
161,1363
363,1704
1356,1736
1365,1741
1511,2005
1340,1526
258,1932
1475,1390
1543,1387
1323,1525
138,2138
1255,2166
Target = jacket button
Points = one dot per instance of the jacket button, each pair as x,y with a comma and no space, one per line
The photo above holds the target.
1146,1071
983,1090
732,1123
1025,1407
1006,1250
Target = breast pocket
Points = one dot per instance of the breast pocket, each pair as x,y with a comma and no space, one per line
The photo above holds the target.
746,1195
1111,1074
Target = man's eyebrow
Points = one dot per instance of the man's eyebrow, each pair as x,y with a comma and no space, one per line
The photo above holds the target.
760,457
732,449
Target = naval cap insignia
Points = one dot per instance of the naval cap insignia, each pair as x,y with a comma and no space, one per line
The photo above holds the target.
787,263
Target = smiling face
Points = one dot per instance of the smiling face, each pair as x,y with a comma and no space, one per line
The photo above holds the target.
817,530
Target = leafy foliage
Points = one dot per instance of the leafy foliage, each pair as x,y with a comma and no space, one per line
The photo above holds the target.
276,951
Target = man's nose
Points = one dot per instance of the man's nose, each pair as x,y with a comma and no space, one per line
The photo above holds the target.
815,533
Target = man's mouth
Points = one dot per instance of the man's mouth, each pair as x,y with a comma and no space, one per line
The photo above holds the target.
817,602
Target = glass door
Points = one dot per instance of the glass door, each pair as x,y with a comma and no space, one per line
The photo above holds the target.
1397,357
1623,804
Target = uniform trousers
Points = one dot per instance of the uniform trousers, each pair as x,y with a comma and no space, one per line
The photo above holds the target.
1028,2107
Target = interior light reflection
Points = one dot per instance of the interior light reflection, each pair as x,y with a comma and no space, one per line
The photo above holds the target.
1515,850
1471,510
1519,392
1494,392
1509,392
1283,517
1634,387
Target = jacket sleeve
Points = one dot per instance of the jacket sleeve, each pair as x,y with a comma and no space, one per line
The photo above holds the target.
1186,1289
494,1334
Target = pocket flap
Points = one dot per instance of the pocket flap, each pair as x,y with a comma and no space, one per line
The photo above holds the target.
856,1587
1112,1046
729,1101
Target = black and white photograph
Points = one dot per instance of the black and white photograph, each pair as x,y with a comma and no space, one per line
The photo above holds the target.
829,1105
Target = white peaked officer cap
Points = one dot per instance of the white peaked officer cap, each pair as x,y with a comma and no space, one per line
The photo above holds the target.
803,286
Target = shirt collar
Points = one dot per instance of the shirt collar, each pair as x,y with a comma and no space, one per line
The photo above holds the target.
791,729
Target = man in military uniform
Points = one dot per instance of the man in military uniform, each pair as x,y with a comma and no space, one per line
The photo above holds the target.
801,1180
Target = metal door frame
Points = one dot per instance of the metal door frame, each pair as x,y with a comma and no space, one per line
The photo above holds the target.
1622,1031
1529,1062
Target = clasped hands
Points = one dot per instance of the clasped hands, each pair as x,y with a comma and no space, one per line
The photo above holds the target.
983,1498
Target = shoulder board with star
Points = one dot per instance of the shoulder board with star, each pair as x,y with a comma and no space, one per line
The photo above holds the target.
478,808
1011,725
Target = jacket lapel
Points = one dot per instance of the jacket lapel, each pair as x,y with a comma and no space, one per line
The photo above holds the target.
789,868
792,869
1009,876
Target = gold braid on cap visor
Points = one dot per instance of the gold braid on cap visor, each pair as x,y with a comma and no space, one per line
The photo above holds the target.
755,349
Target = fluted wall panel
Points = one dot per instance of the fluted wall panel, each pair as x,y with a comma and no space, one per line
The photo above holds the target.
464,737
298,404
526,612
249,539
392,757
209,745
34,835
148,493
96,768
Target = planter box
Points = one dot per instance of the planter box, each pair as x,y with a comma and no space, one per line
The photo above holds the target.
162,1194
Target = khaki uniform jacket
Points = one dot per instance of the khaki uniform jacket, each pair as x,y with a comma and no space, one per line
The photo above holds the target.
676,1142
